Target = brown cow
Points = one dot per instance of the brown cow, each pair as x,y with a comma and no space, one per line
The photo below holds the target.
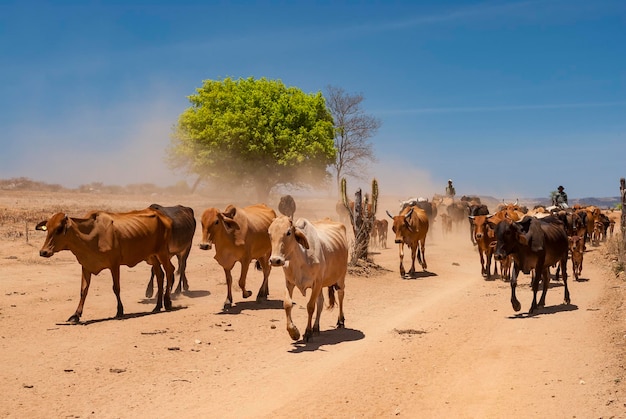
485,238
239,235
505,267
378,236
382,227
577,250
183,229
313,255
106,240
411,227
535,245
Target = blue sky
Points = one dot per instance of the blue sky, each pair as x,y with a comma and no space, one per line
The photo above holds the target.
509,99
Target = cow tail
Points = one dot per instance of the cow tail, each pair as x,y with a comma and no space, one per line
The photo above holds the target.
331,296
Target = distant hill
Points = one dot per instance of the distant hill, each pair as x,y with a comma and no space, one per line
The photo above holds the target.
602,203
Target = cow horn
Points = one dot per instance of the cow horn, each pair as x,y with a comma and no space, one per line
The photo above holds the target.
516,201
389,214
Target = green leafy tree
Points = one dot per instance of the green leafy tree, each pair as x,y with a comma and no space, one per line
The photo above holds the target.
254,133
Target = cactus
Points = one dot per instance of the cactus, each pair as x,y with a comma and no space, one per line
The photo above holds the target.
362,216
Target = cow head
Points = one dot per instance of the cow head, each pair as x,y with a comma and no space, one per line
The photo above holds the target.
285,236
481,224
401,224
214,221
56,227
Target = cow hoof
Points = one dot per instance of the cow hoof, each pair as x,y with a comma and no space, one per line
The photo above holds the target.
294,333
227,305
307,335
516,305
247,294
74,319
149,292
341,324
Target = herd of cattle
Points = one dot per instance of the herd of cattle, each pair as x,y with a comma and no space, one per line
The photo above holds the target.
314,255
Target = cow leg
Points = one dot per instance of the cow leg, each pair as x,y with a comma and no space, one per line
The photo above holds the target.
158,273
229,293
181,275
423,256
401,255
310,308
245,264
318,314
150,287
488,265
115,273
169,276
414,251
566,298
514,301
536,277
546,284
84,289
341,320
482,261
182,269
288,305
264,290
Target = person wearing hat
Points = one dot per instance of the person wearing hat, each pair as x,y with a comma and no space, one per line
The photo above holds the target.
561,197
450,189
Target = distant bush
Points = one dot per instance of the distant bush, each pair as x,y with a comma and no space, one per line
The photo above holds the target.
26,184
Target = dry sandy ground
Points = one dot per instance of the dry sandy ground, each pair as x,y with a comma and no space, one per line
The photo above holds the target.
444,345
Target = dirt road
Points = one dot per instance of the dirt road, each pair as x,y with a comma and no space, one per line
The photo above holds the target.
446,344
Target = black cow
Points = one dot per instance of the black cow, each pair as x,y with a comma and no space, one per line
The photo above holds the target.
183,229
535,244
287,206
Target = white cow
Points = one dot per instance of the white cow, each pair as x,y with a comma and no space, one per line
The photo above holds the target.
313,255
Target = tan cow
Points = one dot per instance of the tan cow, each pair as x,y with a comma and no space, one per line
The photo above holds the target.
105,240
382,227
239,235
313,255
411,227
577,251
446,224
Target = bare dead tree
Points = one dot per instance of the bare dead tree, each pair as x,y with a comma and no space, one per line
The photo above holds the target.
362,213
353,130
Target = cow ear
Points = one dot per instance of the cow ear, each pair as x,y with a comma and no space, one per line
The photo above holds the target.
230,224
41,226
301,238
230,211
